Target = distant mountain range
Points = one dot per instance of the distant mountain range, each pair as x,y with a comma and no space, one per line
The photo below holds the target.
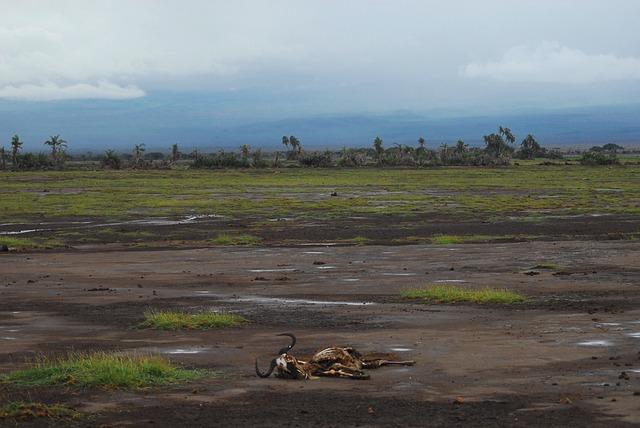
161,121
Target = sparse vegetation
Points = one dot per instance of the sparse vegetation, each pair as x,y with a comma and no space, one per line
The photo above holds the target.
226,239
112,371
25,243
459,239
22,410
171,320
547,265
455,294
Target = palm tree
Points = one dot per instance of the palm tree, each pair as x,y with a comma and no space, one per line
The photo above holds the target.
379,150
3,158
461,147
529,148
296,147
175,153
16,146
57,145
420,151
138,155
244,152
508,136
444,153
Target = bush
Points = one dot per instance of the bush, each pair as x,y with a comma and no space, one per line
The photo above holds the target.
316,159
592,157
34,162
111,160
219,160
352,158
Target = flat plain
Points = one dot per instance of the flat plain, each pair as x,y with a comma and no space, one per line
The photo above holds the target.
330,255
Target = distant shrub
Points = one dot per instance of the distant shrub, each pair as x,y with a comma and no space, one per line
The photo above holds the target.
34,161
592,157
316,159
352,158
111,160
221,159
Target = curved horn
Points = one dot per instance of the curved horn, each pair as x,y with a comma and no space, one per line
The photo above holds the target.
268,373
287,348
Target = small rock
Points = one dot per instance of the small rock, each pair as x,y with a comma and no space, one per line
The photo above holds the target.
4,248
318,263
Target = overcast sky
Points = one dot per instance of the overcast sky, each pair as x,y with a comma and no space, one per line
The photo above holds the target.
325,56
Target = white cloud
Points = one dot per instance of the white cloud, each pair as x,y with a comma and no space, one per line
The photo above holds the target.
51,91
551,62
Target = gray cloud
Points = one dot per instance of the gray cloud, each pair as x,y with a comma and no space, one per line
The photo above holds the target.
51,91
553,63
328,55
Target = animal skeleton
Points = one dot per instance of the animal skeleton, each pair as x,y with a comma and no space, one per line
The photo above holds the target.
330,362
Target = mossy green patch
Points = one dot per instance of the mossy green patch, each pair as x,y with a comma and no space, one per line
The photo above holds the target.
459,239
22,410
455,294
172,320
29,244
547,265
227,239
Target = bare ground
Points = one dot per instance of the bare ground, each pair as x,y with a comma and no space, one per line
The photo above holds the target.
557,360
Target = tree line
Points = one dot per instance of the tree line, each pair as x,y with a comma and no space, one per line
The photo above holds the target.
499,149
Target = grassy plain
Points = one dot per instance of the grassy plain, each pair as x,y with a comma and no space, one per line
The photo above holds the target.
257,206
121,194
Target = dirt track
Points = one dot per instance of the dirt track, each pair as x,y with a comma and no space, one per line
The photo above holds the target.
556,360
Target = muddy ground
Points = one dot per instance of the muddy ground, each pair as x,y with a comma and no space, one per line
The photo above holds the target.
569,356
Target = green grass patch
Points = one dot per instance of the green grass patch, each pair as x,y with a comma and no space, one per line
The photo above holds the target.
169,320
460,239
30,410
549,266
25,243
358,241
111,371
226,239
454,294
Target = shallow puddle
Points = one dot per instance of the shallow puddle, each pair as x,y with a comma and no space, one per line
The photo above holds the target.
634,335
326,267
595,343
20,232
271,270
183,351
277,300
398,274
453,281
400,349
